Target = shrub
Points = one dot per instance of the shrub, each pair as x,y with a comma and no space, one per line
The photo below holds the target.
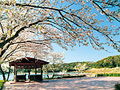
1,81
106,75
117,86
115,74
99,75
111,74
1,84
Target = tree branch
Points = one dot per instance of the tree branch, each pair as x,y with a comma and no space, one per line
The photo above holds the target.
9,54
34,41
105,12
108,3
17,33
3,51
59,10
1,27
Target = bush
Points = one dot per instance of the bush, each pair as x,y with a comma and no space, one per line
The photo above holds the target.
110,75
99,75
1,84
116,74
2,81
106,75
117,86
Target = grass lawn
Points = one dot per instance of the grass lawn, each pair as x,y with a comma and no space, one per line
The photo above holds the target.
95,71
1,84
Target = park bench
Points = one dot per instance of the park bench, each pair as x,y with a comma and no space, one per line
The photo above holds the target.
36,77
21,78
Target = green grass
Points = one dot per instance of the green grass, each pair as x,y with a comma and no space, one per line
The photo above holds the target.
1,84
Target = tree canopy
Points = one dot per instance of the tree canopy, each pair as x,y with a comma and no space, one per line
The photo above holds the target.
28,27
28,24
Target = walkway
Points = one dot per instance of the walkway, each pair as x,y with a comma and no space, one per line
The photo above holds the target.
86,83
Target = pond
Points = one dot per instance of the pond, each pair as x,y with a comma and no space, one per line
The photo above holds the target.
44,75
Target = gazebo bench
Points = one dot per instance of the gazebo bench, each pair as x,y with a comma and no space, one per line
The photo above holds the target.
36,77
21,78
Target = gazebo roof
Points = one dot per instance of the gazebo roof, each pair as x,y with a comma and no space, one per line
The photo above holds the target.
28,63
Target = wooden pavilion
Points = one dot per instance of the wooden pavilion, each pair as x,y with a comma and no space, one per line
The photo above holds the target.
27,63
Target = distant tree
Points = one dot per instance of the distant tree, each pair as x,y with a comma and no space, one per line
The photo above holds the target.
55,60
46,68
80,67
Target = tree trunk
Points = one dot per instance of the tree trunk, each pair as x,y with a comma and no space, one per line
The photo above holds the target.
3,74
53,73
8,74
47,73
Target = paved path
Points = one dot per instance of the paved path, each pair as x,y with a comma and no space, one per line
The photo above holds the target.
86,83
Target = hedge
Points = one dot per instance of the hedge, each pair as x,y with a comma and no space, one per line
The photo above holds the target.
110,75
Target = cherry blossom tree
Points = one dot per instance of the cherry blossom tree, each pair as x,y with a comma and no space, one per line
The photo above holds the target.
80,67
39,51
32,23
74,24
55,60
21,48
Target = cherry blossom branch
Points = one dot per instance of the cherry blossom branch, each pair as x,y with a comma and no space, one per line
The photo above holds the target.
17,33
62,26
1,27
108,3
10,53
33,41
60,12
105,12
3,51
92,27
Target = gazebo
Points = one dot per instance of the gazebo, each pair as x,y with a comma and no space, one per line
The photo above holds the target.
27,63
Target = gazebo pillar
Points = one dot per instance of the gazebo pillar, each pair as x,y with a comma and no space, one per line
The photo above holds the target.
15,73
41,72
35,73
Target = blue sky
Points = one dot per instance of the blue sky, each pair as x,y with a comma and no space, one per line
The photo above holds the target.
85,53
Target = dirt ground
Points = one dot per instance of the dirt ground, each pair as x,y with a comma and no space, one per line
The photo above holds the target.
84,83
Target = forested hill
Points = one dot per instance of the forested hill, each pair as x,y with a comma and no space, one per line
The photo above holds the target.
71,66
109,62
